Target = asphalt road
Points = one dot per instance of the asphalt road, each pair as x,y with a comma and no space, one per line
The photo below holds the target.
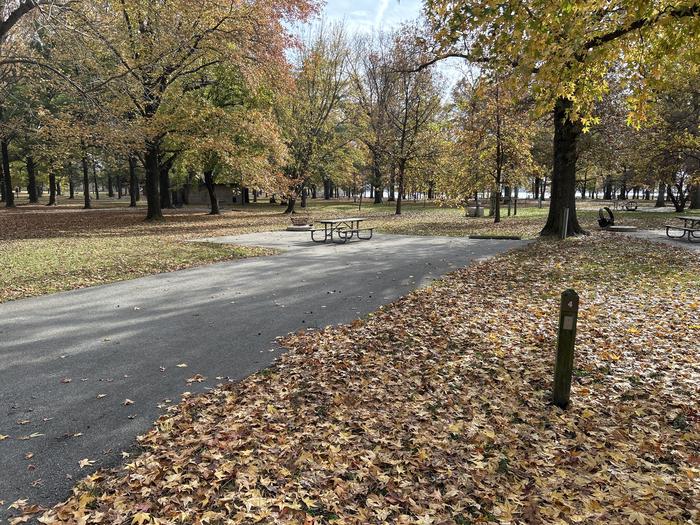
70,361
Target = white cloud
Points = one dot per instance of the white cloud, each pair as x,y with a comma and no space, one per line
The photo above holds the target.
383,5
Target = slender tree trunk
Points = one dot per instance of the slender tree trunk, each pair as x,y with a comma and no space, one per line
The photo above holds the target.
110,188
133,182
58,187
399,198
86,184
94,180
499,158
152,181
31,180
52,190
119,186
326,189
563,191
213,201
7,176
71,188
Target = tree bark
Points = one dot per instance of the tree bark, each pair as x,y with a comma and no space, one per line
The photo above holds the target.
291,201
661,198
213,201
608,192
392,184
695,197
86,184
563,190
7,176
155,212
133,182
52,190
71,188
110,188
303,197
94,179
31,180
400,176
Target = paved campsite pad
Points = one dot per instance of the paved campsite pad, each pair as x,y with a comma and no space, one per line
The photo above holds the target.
660,236
70,361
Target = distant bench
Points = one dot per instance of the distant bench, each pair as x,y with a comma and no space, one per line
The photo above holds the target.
690,228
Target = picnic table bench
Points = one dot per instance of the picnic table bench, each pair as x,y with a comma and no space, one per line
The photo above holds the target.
341,230
690,228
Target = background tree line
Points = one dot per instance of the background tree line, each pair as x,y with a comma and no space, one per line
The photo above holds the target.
147,98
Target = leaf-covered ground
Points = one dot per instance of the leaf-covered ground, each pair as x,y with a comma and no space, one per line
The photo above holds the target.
435,410
44,250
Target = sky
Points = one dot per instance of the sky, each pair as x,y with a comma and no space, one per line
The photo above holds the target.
366,15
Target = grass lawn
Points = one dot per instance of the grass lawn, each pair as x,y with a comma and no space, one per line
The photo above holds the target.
435,409
44,250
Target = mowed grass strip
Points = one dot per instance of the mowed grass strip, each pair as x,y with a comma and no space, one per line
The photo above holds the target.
35,267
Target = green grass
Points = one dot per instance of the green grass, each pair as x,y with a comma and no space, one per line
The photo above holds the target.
35,267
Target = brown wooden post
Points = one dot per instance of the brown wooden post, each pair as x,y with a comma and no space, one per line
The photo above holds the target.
566,339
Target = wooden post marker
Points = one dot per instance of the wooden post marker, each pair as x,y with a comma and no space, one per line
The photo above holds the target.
566,339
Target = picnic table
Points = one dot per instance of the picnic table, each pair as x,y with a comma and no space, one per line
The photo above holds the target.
341,230
690,228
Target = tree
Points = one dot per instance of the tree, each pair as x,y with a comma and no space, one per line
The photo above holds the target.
373,79
493,139
563,51
148,55
412,113
312,115
231,136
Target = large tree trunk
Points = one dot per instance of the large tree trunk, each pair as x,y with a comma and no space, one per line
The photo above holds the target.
695,197
110,187
86,184
563,190
213,201
291,201
52,190
7,177
152,181
326,189
133,182
661,198
31,180
608,190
